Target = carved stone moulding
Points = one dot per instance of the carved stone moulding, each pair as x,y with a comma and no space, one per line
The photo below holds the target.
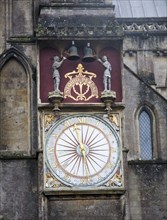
77,2
144,26
160,53
79,23
130,53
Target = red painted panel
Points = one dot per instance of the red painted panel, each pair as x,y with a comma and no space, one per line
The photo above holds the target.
115,60
46,81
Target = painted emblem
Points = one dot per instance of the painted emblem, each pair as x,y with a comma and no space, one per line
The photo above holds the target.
80,86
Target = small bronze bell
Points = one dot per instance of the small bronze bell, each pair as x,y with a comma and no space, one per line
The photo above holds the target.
88,54
72,53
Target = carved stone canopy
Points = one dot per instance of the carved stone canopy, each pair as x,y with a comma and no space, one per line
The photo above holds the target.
97,20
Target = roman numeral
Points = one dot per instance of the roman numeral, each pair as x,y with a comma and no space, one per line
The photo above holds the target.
81,119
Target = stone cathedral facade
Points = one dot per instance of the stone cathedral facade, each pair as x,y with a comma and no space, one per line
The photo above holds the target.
83,110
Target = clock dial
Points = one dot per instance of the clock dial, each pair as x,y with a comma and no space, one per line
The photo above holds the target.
82,150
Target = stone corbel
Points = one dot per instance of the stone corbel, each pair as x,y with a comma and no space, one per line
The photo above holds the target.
55,97
108,97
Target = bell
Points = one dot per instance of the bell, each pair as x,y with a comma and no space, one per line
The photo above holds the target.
73,52
88,54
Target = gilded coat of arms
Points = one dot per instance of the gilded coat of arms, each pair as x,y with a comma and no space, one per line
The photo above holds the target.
80,86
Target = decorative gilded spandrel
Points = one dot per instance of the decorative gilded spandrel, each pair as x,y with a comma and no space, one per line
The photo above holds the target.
51,181
48,121
80,86
117,180
115,120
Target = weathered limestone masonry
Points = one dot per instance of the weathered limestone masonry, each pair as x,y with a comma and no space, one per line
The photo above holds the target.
143,47
144,82
18,111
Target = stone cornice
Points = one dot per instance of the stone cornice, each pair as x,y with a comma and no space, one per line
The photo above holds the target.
98,25
78,22
80,3
70,31
144,26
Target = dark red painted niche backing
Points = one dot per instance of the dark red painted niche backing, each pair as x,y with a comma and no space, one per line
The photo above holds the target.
46,81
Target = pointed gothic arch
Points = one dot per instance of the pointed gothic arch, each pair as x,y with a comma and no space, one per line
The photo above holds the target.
16,103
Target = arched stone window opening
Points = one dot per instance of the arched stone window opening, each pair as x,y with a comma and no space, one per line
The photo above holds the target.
145,135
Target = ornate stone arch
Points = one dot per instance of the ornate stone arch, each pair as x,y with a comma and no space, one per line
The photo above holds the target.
17,94
150,113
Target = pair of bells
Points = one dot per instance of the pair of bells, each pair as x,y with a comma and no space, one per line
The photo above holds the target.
88,53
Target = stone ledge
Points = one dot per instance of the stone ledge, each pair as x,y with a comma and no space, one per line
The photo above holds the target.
86,191
22,39
6,155
157,161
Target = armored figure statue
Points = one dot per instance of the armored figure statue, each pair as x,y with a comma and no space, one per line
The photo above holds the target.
56,76
107,73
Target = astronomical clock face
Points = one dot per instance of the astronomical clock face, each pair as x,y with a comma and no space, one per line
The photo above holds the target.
82,151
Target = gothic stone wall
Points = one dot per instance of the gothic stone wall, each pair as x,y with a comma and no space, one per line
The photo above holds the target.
147,187
86,207
18,186
18,168
147,191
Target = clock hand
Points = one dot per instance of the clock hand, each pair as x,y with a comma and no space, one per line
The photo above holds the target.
79,140
86,166
82,148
